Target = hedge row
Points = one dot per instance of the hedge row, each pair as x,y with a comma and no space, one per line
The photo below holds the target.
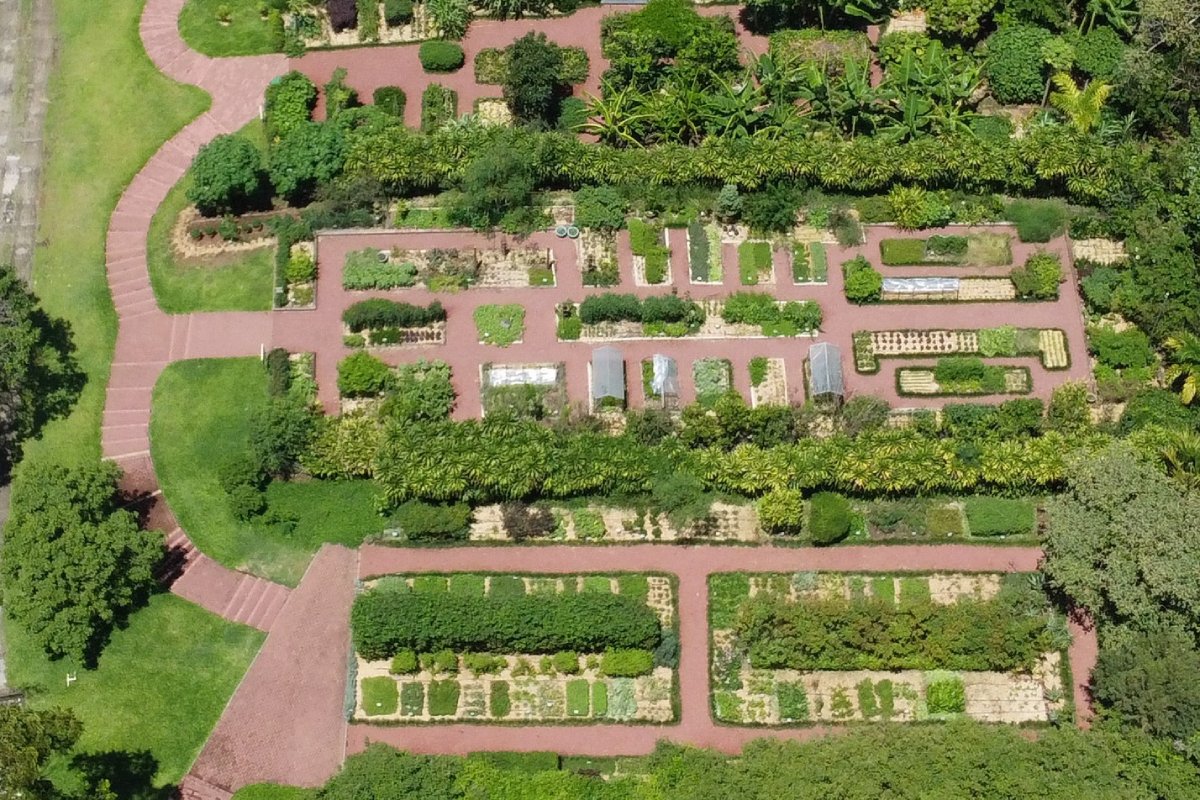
837,634
380,313
629,308
386,621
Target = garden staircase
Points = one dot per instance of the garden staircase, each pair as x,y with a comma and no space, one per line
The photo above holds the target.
194,788
236,596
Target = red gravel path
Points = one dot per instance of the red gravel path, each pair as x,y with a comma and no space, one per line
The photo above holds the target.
320,331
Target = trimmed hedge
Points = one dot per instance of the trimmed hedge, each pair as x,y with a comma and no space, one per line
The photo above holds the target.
999,516
828,518
387,621
380,313
664,308
626,663
427,521
440,56
838,634
391,100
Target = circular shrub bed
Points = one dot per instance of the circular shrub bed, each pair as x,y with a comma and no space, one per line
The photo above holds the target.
439,56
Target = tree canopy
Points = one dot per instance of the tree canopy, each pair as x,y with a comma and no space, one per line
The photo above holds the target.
73,562
28,740
39,378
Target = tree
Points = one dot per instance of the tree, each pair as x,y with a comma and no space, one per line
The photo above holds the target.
498,182
1121,543
1081,107
227,176
532,86
28,739
1139,678
280,433
1184,370
39,378
311,155
73,562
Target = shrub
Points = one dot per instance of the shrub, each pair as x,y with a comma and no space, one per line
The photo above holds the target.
397,12
915,207
439,105
301,268
363,375
999,516
781,511
533,85
573,114
483,663
828,518
992,128
863,283
600,208
773,209
1014,66
289,103
566,662
279,372
343,14
1099,53
1039,278
439,56
404,663
443,698
391,100
246,502
380,313
1037,220
667,652
626,663
443,662
275,32
227,176
427,521
381,696
522,521
1120,349
1104,287
385,622
946,696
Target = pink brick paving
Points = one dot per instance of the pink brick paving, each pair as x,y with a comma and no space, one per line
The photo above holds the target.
284,722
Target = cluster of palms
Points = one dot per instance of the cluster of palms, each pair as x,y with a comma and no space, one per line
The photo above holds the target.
928,92
501,459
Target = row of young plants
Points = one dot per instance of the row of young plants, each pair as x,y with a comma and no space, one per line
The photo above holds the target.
962,376
1037,279
1049,344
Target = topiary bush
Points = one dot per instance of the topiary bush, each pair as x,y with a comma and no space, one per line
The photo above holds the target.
1014,67
440,56
391,100
862,282
828,518
227,176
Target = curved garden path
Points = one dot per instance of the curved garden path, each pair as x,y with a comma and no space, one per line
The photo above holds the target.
285,722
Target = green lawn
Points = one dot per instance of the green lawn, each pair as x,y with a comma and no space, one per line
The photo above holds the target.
245,35
236,282
200,420
271,791
98,135
159,688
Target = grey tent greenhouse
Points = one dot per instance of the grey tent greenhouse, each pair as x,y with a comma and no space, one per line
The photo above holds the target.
825,372
664,379
608,374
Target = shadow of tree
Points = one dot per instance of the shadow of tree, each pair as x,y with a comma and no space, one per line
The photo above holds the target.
130,774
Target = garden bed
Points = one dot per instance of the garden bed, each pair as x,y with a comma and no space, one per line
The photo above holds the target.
987,380
768,382
1049,344
316,30
651,256
810,264
610,655
755,263
384,323
706,262
971,250
713,378
1004,664
598,258
601,524
947,290
524,391
500,325
448,269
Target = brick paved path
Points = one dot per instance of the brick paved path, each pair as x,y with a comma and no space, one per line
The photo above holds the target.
285,721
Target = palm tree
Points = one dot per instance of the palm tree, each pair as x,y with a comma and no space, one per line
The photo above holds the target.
1081,107
1184,370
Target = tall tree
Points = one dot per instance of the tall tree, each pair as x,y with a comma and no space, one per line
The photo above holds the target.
73,563
28,739
39,379
533,86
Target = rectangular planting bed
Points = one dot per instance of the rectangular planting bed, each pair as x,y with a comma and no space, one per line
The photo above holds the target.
821,648
518,649
971,250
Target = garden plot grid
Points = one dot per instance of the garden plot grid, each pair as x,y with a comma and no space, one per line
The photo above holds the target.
787,676
566,686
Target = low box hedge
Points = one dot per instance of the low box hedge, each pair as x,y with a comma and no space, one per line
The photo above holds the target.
1000,516
439,56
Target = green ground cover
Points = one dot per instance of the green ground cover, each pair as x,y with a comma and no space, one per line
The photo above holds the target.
200,419
500,325
159,688
380,696
235,282
246,34
94,146
271,791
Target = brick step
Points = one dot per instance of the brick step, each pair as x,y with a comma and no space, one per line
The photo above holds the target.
195,788
255,602
180,554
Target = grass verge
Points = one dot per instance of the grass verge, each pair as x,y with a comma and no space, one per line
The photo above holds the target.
151,702
246,34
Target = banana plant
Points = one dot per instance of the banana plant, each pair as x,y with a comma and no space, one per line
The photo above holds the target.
618,117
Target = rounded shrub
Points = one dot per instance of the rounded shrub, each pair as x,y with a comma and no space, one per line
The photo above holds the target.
391,100
439,56
828,518
398,12
863,283
1015,70
404,663
363,375
1100,52
246,502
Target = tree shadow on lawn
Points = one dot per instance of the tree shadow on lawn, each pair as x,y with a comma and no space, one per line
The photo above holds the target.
130,774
